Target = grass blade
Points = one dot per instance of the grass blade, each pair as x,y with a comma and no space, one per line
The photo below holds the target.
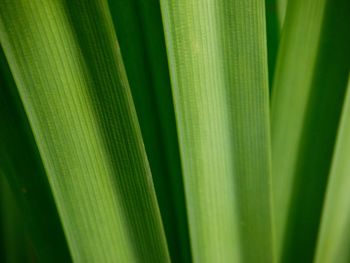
308,91
273,31
21,164
218,69
334,241
281,12
65,60
140,33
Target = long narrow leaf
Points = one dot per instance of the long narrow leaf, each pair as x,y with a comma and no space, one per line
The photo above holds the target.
218,68
273,31
65,60
308,91
21,164
140,34
281,12
334,238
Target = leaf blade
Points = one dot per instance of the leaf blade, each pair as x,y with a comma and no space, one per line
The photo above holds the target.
333,241
140,33
307,97
71,79
218,68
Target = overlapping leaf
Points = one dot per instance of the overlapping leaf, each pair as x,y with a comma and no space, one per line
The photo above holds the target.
65,60
218,68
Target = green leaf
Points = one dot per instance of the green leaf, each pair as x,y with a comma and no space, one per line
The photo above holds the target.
334,239
140,34
65,60
273,31
275,14
281,12
308,91
218,68
21,165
